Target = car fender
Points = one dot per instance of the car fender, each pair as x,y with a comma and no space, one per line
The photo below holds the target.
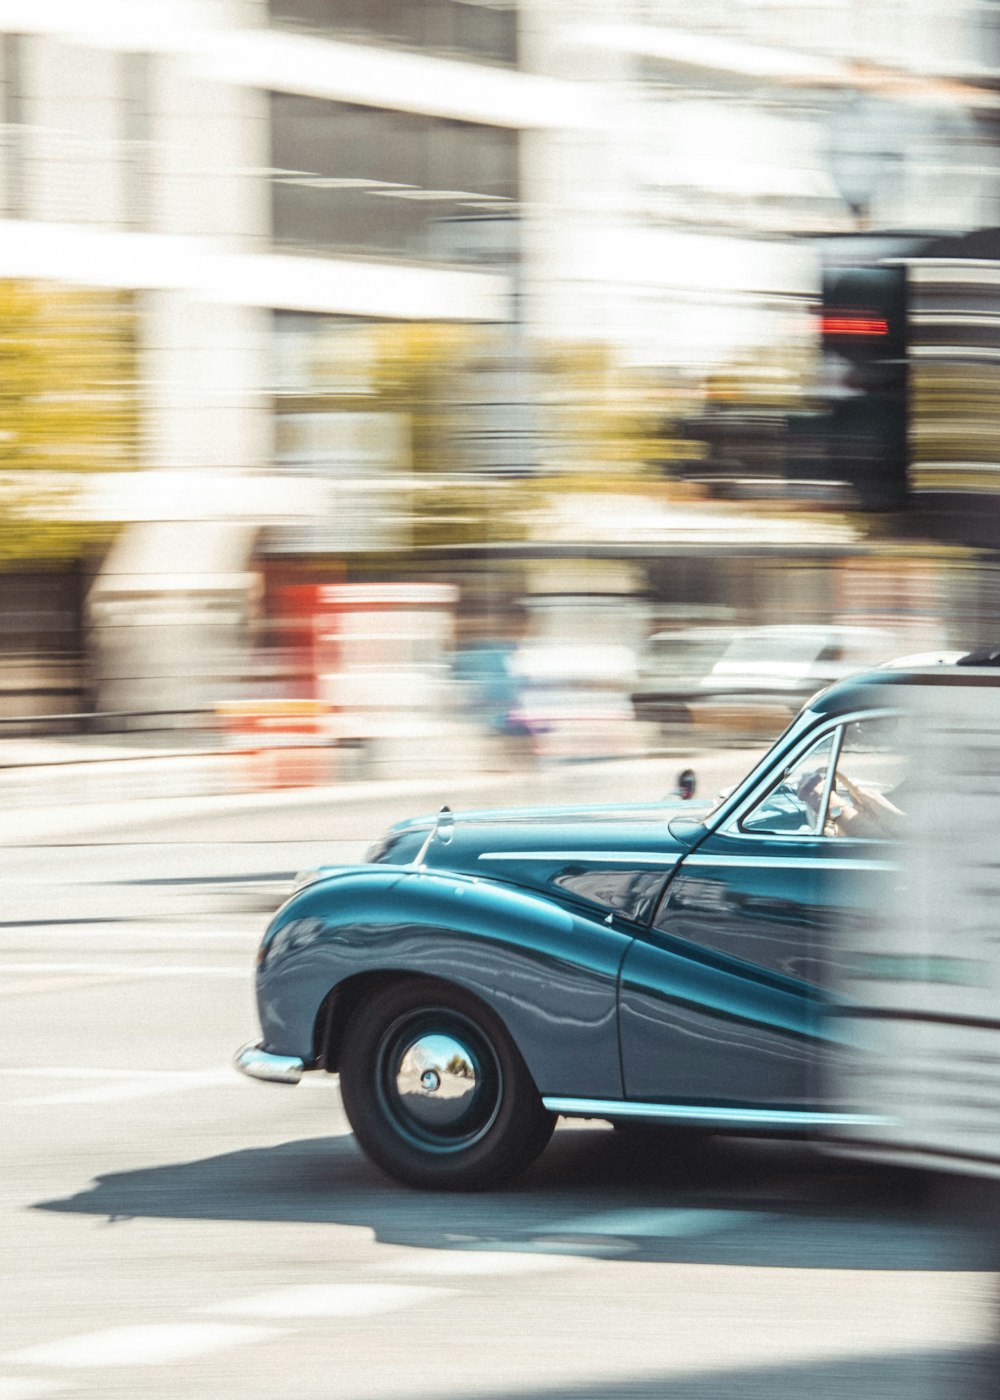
548,972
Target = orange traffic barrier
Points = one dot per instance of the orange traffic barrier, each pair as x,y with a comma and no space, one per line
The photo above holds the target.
281,743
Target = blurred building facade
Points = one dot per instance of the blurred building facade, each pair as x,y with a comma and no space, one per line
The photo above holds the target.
246,165
310,201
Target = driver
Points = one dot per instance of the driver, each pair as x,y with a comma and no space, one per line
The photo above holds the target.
866,814
870,813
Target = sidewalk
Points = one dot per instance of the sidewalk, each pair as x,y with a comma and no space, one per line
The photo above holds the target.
72,787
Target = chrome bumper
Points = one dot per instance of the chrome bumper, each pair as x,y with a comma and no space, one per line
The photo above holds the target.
258,1063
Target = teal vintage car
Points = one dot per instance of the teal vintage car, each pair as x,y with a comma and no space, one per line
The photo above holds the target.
484,972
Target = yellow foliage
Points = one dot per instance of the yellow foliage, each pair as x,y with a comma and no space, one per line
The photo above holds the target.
68,406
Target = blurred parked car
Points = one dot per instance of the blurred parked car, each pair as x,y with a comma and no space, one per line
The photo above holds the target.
671,667
754,678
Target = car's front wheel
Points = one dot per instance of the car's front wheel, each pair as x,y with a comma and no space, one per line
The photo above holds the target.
436,1091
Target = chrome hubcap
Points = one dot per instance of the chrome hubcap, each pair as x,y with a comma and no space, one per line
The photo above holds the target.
436,1080
441,1080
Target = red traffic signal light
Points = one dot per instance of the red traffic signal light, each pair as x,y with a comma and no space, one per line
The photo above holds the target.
852,322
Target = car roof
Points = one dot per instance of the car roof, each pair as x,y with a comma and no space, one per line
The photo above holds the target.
868,689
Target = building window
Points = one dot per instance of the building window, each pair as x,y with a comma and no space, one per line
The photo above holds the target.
366,180
481,30
12,124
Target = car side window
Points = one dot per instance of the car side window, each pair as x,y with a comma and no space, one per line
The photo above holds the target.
796,804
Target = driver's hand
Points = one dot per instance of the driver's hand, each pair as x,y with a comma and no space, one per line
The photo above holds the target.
809,790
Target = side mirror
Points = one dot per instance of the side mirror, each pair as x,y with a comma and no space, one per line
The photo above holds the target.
686,784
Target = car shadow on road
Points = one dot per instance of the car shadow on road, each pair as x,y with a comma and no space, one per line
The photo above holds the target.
593,1193
970,1374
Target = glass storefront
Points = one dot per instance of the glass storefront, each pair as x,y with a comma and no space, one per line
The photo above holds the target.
331,423
401,424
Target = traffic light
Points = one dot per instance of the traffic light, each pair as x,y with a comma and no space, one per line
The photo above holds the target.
864,340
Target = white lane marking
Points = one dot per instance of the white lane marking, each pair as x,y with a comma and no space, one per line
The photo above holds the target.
104,969
86,1072
643,1223
154,1345
11,1389
123,1084
462,1263
121,1091
329,1300
129,929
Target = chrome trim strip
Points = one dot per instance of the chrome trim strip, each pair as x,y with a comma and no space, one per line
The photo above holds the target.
258,1063
793,862
608,857
772,838
680,1113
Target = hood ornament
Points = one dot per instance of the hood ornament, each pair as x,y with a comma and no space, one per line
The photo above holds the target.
444,824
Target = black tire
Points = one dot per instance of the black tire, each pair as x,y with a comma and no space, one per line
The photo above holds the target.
436,1091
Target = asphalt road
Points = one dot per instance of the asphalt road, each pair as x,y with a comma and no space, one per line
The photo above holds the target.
171,1229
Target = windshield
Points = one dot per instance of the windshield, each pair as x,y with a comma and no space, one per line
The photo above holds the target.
763,765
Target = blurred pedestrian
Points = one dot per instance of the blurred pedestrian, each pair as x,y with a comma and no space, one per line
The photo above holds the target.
486,669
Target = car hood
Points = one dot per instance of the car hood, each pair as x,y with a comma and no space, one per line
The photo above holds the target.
615,857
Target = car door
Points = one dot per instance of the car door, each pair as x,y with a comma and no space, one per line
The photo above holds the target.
724,999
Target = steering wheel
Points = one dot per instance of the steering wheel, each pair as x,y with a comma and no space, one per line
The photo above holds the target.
781,810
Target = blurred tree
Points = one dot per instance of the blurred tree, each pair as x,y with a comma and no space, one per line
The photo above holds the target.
68,406
602,426
609,424
753,427
444,378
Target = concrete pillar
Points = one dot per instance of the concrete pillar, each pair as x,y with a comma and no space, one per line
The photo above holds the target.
205,380
206,366
73,152
210,153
